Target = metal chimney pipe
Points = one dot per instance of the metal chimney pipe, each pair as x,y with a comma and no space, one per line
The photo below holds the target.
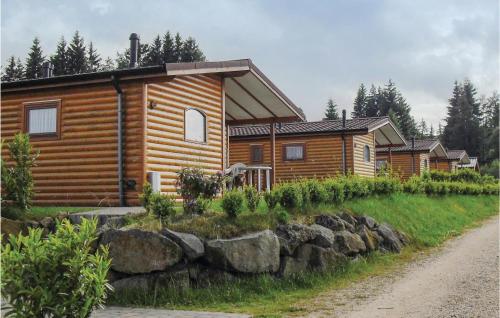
343,118
134,50
47,69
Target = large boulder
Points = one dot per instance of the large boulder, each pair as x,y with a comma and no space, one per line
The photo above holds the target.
349,243
368,221
324,237
191,245
203,276
135,251
292,235
48,224
391,240
333,222
13,227
347,217
309,257
151,282
371,239
254,253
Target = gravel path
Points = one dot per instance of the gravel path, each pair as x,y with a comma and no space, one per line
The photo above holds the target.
459,280
124,312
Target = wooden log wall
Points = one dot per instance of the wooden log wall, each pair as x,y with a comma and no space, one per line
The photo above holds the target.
362,168
167,151
323,156
443,165
402,162
80,168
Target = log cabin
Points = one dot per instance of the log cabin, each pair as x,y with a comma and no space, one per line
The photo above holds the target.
473,164
412,159
101,135
450,164
313,149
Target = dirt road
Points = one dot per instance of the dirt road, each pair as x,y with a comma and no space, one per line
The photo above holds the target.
459,280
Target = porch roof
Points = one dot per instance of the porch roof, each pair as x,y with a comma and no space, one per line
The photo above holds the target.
385,131
432,146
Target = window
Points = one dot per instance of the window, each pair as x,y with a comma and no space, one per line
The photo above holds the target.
366,153
41,119
294,152
256,153
195,125
381,164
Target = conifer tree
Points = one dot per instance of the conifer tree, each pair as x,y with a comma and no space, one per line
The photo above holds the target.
153,55
167,49
360,102
178,44
431,132
371,102
331,112
10,72
108,65
93,59
34,61
60,58
191,52
77,55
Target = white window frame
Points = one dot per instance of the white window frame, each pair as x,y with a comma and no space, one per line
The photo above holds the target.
38,105
205,123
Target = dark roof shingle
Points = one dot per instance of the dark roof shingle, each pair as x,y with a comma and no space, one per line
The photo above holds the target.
456,154
324,126
420,145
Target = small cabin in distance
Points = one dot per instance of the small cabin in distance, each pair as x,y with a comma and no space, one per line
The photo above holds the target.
317,149
412,159
453,160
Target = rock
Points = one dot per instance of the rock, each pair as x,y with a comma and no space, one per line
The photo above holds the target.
151,282
348,243
370,238
63,215
136,251
292,235
334,223
310,257
324,237
190,244
391,241
49,224
114,276
403,237
254,253
13,227
32,224
347,217
203,276
368,221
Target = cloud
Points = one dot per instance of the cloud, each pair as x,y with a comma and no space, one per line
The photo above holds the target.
312,50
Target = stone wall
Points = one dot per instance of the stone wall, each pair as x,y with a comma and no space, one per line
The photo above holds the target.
148,260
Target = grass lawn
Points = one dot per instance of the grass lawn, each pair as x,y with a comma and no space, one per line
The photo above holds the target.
39,212
429,221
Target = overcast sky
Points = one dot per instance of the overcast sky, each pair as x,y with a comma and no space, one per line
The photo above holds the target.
312,50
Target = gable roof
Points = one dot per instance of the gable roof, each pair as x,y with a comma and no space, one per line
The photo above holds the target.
361,125
432,146
460,155
250,95
473,163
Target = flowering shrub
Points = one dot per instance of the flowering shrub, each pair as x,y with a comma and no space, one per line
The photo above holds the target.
197,189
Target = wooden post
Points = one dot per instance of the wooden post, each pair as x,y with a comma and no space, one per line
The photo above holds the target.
259,186
272,136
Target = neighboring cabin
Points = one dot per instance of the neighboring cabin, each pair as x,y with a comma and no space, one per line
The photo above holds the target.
314,149
101,134
450,164
414,158
473,164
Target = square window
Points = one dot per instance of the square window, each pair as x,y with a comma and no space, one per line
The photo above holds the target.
294,152
256,153
42,119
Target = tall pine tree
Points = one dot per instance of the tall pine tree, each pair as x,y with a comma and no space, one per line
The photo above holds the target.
14,70
178,45
77,55
60,58
360,102
34,61
93,59
168,48
191,52
154,55
372,102
331,112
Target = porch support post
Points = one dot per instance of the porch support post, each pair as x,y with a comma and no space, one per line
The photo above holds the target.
272,136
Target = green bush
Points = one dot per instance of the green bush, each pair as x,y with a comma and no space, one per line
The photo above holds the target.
195,187
145,196
232,203
59,276
252,198
291,196
314,191
414,185
272,198
491,170
162,206
461,175
335,191
17,180
282,217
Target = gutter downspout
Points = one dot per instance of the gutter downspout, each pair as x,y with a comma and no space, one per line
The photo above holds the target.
119,110
344,166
